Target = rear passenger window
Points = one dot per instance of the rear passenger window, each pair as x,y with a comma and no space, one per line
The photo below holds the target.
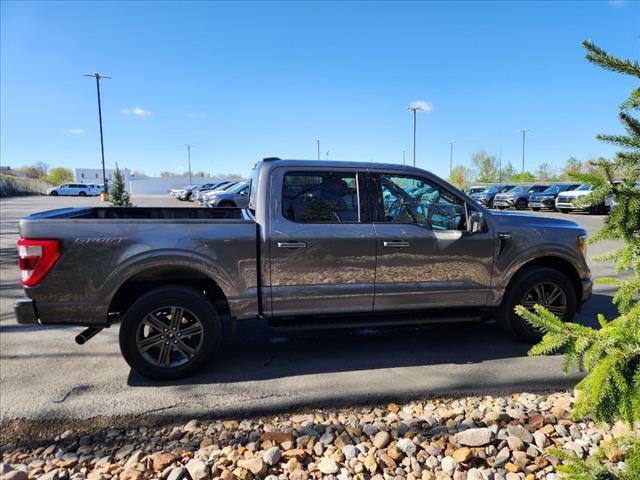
320,197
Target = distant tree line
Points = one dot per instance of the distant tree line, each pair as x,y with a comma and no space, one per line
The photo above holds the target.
486,168
54,176
58,175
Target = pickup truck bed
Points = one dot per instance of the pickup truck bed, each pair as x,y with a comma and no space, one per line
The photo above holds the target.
102,248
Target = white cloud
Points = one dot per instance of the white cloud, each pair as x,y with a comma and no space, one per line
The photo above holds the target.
193,115
421,105
140,112
76,131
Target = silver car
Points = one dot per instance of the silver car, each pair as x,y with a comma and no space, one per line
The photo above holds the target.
236,196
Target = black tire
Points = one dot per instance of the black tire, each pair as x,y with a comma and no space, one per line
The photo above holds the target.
521,204
518,290
535,209
54,194
227,205
82,194
501,208
564,210
196,308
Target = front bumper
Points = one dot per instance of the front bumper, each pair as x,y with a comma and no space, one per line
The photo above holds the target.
25,310
503,202
542,203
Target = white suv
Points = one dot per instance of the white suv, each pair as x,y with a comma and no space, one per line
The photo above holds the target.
71,189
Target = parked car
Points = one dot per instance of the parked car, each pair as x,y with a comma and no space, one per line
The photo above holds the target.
547,198
236,196
188,191
339,242
71,189
95,188
487,196
197,195
206,186
610,201
177,192
206,196
476,189
517,197
569,201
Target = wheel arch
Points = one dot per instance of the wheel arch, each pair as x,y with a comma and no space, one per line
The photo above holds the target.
560,264
153,277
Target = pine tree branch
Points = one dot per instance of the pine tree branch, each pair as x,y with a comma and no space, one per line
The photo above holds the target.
598,56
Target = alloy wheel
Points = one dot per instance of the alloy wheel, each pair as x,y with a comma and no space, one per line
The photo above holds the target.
170,336
549,295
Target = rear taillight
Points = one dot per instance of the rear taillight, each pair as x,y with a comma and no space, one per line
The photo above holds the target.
35,259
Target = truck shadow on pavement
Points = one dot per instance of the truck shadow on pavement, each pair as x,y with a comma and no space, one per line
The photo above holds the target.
254,353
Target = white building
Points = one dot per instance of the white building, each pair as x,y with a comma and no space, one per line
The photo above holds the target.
94,175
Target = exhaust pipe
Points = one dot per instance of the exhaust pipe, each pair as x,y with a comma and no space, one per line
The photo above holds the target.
86,335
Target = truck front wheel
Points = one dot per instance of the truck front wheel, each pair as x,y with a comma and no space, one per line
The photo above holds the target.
538,285
169,332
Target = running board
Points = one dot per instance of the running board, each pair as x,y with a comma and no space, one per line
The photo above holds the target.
369,321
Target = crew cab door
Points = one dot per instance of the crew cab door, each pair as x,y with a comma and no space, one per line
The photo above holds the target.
426,256
321,255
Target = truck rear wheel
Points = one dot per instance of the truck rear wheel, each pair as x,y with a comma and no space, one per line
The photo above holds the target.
538,285
169,332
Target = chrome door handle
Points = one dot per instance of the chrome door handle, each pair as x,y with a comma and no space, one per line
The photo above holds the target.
292,244
395,244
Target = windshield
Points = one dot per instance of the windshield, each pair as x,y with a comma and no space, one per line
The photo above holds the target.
553,189
237,188
585,187
494,189
520,189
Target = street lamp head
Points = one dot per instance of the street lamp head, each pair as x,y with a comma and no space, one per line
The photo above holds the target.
524,130
97,75
420,105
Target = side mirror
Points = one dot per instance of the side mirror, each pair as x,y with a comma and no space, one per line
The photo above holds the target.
476,222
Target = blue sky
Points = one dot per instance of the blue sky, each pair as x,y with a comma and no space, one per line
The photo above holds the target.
243,81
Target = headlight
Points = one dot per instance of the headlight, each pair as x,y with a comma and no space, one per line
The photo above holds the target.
582,245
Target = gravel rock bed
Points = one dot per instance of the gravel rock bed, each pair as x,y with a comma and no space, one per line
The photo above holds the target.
473,438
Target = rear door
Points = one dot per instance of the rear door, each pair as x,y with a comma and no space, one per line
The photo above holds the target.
321,252
426,257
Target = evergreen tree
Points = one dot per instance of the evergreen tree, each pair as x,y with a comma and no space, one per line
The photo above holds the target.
119,194
610,355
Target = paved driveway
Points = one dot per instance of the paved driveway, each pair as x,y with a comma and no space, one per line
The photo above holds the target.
44,374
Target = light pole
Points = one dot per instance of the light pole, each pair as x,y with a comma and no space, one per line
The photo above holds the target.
98,77
318,142
524,132
414,108
451,159
327,153
404,162
189,145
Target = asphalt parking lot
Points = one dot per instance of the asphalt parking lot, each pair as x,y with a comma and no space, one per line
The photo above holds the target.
45,375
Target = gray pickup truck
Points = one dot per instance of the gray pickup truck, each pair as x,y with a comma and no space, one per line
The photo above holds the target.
321,244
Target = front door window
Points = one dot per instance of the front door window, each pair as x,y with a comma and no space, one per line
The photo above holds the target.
407,199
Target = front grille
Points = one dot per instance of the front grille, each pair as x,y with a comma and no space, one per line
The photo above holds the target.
564,199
